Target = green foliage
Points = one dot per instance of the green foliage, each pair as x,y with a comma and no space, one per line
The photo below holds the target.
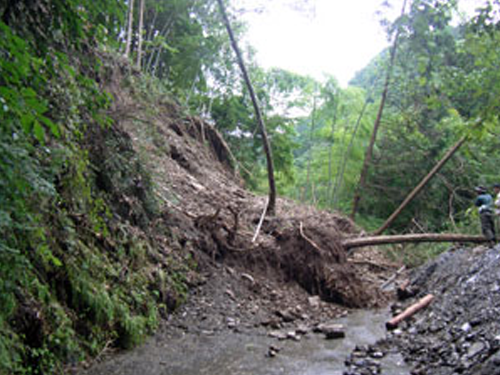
62,295
444,83
233,115
335,149
74,194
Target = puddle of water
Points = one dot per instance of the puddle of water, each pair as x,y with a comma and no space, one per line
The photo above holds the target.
228,353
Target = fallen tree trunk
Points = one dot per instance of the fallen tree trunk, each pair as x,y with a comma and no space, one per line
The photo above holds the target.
410,311
410,238
421,185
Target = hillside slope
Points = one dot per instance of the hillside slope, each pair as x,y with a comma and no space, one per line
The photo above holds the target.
204,200
145,206
207,218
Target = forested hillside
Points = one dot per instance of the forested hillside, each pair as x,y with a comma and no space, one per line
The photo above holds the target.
100,237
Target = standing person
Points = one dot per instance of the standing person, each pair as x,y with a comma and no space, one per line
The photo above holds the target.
496,189
485,203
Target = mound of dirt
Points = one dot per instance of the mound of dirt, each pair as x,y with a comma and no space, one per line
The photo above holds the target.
191,167
460,332
287,278
313,257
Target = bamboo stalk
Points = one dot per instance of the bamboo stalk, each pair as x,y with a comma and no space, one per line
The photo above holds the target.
373,138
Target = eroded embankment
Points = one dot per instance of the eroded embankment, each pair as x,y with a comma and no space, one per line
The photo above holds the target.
207,219
208,210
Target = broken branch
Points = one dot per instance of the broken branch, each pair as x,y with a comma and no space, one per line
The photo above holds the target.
311,242
260,222
392,278
410,311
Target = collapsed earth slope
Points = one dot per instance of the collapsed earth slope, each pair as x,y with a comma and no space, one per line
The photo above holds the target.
207,208
295,273
144,206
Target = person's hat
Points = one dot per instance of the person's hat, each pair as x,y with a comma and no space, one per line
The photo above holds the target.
496,186
480,189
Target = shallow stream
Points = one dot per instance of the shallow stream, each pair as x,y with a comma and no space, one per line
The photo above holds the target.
233,353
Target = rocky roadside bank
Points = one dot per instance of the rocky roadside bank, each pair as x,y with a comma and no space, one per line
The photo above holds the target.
459,333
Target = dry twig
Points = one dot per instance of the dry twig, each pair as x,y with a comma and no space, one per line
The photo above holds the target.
311,242
260,222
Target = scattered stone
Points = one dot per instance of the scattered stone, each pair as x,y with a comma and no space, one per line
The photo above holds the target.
231,323
314,302
292,335
492,365
230,293
303,329
248,277
496,341
331,331
273,351
397,332
466,327
278,335
377,355
287,315
475,349
272,323
273,294
458,334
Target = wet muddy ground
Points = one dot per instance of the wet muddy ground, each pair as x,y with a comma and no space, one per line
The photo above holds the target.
253,302
227,352
244,323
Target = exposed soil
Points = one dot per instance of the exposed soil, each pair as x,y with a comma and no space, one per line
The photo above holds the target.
210,212
295,275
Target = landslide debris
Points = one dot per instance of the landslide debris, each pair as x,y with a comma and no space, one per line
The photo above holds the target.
459,333
295,275
206,205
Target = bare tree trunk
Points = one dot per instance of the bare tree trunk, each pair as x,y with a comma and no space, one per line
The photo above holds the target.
140,35
129,28
309,157
330,153
369,151
352,243
345,157
271,208
421,185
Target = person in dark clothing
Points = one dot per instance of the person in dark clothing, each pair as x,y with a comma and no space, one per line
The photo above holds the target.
485,203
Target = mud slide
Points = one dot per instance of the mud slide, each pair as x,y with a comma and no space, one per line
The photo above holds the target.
293,277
